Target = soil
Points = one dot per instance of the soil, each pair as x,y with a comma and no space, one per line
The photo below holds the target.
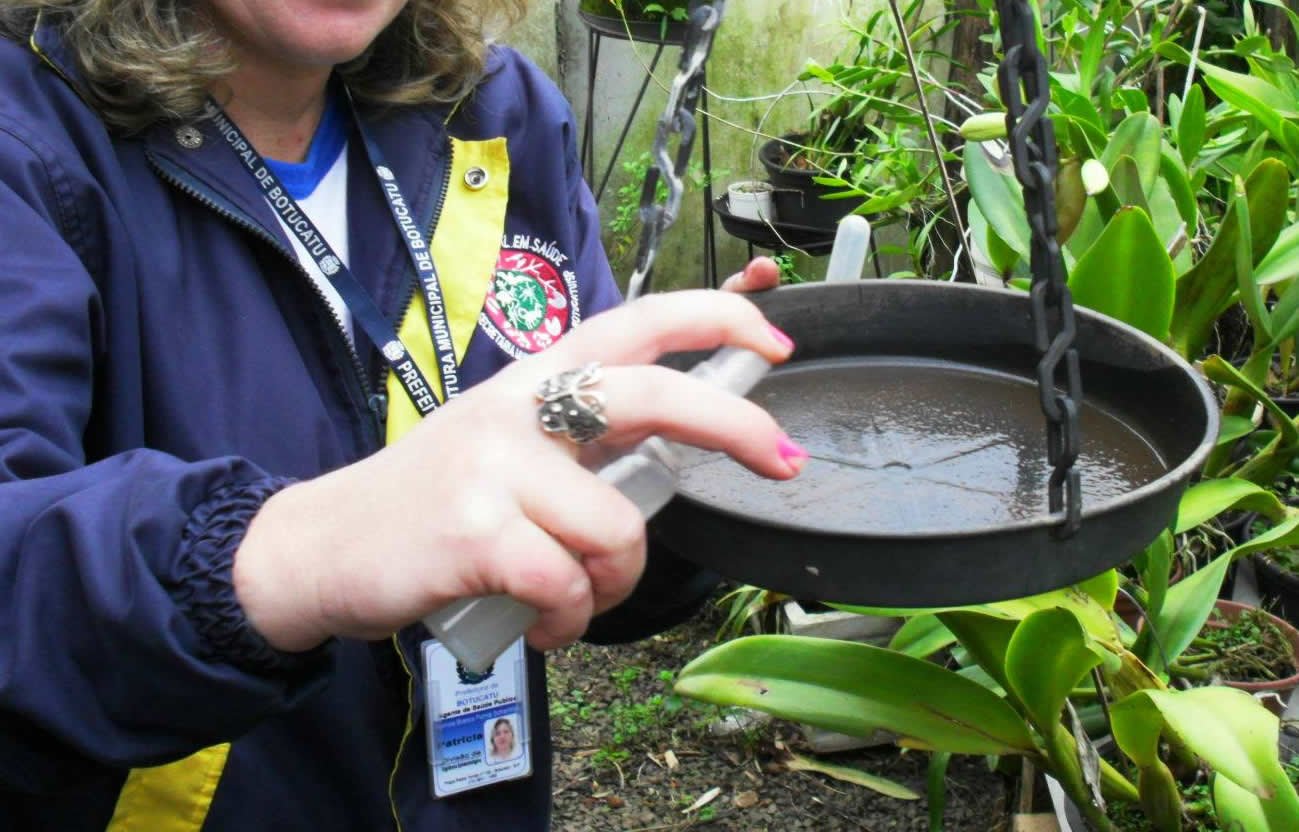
629,755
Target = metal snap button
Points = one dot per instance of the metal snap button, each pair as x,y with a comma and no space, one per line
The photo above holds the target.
189,137
476,179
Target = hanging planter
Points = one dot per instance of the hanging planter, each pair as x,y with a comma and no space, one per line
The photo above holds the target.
798,197
665,22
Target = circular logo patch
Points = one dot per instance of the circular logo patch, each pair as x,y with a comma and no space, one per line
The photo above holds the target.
529,303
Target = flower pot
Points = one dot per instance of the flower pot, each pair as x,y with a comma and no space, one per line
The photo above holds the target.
602,17
1277,586
797,198
1231,610
751,200
1279,583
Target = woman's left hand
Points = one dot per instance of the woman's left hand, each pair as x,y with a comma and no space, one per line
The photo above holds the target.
760,274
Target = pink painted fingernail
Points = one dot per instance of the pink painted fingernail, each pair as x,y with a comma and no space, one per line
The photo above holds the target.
781,338
792,452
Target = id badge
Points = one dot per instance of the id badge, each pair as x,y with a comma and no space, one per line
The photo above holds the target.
478,727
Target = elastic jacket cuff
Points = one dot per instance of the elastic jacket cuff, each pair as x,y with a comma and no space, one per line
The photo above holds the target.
206,592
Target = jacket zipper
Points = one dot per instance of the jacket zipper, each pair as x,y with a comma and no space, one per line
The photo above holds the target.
409,726
362,379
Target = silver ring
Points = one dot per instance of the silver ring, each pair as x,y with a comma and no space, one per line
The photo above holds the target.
570,407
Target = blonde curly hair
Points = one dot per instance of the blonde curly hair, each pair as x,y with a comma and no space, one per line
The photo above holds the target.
145,61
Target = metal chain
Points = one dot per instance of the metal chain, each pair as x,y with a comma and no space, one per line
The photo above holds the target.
678,120
1025,89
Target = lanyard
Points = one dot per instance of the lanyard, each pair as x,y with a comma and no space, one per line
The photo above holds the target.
363,308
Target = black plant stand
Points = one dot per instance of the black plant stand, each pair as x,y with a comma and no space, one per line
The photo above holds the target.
778,237
661,37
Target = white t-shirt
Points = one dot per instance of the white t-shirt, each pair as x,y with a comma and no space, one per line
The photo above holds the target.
327,208
319,184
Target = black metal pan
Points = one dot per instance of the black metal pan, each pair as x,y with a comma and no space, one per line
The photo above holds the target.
927,484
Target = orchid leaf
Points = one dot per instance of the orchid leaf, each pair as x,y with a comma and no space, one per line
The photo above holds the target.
1174,176
1232,427
1157,564
1191,125
1206,289
1136,728
1089,601
1228,729
921,636
850,774
1282,262
1139,137
1224,373
999,198
855,689
1206,500
1048,655
1190,601
1251,298
1128,275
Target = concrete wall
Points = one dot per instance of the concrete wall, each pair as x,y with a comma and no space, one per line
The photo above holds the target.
759,50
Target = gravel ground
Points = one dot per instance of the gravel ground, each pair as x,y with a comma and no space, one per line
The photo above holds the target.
630,756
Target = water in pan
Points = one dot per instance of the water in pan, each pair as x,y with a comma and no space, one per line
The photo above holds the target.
904,445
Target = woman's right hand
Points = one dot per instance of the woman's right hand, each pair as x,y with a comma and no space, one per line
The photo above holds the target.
478,500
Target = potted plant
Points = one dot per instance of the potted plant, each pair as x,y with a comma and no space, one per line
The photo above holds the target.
863,147
1028,661
1244,647
751,200
655,21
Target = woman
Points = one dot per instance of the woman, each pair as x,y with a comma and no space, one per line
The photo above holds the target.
234,467
502,738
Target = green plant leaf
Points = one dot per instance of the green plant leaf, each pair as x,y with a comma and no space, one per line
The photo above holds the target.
1285,315
1136,728
1191,125
1239,808
1128,275
1087,600
1282,261
1125,181
1000,200
1205,500
850,774
1251,94
1251,298
1190,601
921,636
1224,373
1140,137
1048,655
1225,727
1157,564
1173,174
1233,427
855,689
1206,289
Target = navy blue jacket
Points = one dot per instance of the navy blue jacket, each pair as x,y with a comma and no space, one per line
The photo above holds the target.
165,366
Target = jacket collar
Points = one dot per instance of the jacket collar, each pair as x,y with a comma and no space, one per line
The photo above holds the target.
199,159
47,41
207,165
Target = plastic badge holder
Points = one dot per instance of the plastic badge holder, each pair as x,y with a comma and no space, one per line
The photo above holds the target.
477,630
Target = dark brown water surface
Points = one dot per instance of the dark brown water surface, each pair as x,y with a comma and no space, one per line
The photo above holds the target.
904,445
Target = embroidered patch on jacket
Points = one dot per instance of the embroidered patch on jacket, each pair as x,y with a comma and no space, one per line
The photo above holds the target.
532,298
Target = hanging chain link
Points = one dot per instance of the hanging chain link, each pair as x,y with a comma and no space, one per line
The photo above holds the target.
1025,89
678,120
